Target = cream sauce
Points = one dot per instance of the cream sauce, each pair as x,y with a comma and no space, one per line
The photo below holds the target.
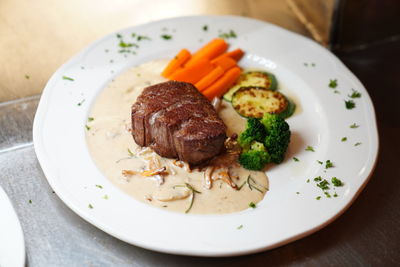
109,139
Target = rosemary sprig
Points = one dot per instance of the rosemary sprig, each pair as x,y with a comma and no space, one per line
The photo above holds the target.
252,184
191,188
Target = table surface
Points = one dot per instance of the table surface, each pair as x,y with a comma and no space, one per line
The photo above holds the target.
366,234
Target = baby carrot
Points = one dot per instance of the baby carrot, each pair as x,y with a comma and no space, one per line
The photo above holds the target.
234,54
181,58
211,50
209,78
222,84
194,73
224,62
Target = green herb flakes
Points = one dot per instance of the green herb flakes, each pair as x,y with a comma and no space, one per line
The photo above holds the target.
336,182
119,36
30,201
142,37
298,193
328,164
27,76
99,186
240,227
327,194
227,35
252,205
333,83
127,45
350,104
295,159
166,36
318,198
90,206
67,78
335,195
105,197
80,103
310,148
354,126
320,162
308,180
131,154
205,28
355,94
318,179
344,139
90,119
357,144
87,127
324,185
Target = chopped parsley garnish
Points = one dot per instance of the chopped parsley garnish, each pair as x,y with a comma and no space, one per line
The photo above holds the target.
355,94
354,126
205,28
252,205
105,197
336,182
126,45
357,144
166,36
318,179
90,119
333,83
30,201
67,78
305,64
310,148
131,154
142,37
335,195
319,162
106,50
252,184
27,76
350,104
327,194
336,92
295,159
298,193
87,127
90,206
344,139
240,227
308,180
80,103
324,185
227,35
318,198
119,36
313,64
99,186
328,164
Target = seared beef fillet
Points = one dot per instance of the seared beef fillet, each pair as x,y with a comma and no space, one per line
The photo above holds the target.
177,121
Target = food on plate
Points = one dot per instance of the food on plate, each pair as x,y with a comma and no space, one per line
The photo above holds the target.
253,79
177,121
255,101
180,157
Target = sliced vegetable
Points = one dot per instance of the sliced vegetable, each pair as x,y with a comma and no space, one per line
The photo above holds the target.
209,78
193,73
255,101
253,78
236,54
210,51
224,62
220,86
181,58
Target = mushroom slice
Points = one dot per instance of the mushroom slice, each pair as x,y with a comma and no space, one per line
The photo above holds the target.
167,194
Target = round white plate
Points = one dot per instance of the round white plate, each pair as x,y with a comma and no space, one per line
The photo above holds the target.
12,245
290,209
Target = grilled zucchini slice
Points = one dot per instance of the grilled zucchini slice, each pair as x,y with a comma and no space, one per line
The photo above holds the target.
253,78
254,101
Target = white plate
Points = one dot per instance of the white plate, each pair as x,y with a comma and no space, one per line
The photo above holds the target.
12,245
283,216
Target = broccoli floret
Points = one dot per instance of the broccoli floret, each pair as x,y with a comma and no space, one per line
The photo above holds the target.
278,136
255,157
255,131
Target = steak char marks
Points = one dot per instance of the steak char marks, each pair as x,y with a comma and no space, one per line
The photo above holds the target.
177,121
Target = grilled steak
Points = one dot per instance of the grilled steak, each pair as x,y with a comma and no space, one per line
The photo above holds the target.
177,121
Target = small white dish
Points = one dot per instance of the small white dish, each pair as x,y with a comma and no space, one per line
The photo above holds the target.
289,210
12,245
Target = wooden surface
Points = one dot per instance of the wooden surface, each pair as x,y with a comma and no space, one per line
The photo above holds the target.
38,36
